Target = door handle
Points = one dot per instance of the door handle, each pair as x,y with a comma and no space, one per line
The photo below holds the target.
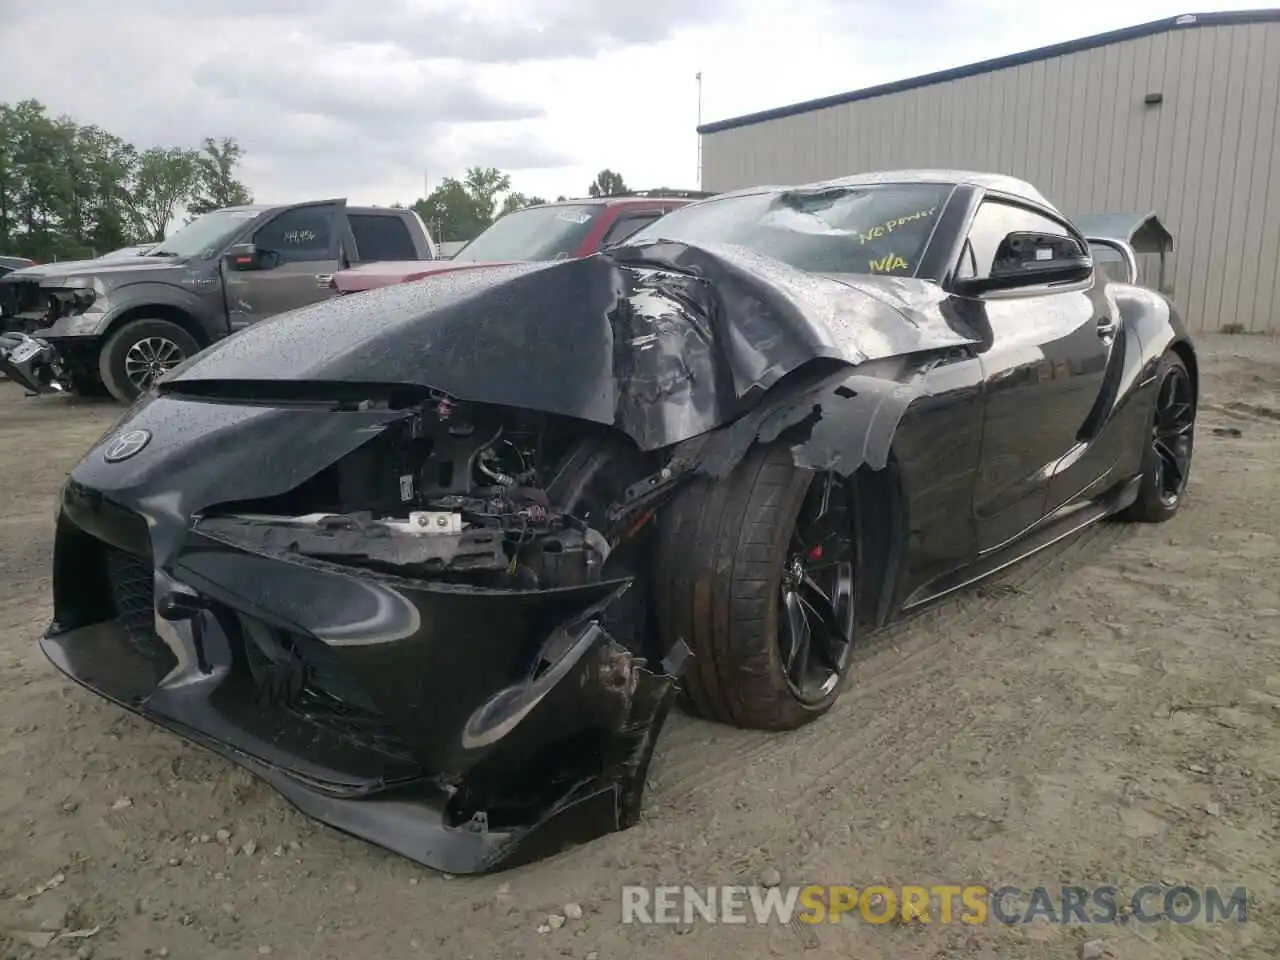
1107,327
324,279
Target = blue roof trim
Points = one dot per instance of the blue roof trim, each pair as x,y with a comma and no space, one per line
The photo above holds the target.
1221,19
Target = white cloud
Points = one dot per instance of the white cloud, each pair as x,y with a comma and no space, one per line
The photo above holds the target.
334,98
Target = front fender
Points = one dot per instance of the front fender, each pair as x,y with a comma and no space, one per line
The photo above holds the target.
107,310
1150,328
837,418
212,322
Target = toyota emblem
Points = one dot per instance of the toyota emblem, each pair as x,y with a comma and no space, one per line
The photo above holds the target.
126,445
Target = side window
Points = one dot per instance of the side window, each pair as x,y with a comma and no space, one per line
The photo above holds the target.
990,243
1110,263
300,235
381,237
626,225
968,268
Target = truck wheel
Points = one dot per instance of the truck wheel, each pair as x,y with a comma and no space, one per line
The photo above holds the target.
757,576
139,353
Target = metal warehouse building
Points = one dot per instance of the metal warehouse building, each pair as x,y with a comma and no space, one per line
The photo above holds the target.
1176,117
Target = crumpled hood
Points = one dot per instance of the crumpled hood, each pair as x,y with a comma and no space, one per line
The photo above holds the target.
664,341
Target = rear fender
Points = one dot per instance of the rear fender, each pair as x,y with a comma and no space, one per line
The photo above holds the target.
1151,328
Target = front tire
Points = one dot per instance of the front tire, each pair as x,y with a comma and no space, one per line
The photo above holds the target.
1168,444
139,353
756,574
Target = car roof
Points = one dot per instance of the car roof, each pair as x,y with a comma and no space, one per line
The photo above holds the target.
386,211
638,196
987,181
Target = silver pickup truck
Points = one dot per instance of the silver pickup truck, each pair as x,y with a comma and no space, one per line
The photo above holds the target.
120,323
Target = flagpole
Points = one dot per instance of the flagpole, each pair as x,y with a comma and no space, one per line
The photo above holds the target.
698,77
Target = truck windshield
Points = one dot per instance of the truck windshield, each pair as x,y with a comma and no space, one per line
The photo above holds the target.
875,228
535,233
205,236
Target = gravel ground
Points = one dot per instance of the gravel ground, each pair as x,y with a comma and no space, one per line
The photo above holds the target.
1109,712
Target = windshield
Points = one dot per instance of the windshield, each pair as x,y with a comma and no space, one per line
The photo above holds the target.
205,236
879,228
535,233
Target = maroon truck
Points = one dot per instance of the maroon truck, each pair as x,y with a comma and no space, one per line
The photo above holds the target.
553,231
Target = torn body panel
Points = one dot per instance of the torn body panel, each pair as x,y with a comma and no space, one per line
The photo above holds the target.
31,363
416,610
541,764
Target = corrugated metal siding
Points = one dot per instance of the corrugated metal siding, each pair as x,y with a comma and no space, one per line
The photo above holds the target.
1076,127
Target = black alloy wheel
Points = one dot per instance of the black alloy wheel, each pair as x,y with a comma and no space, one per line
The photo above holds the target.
1173,434
757,572
816,618
1167,445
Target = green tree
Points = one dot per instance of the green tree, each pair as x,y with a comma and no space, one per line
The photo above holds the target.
39,207
217,185
484,184
463,209
69,191
607,184
166,178
104,166
450,212
515,200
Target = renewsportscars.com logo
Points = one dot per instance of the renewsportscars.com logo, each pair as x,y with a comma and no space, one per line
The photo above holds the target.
937,903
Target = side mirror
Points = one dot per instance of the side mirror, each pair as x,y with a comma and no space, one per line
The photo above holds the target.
1026,259
246,256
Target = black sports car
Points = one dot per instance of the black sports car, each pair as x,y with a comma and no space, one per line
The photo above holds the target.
434,560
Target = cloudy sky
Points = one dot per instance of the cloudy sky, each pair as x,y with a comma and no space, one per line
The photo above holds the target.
369,99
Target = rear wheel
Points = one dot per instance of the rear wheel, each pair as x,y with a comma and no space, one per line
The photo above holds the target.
141,352
757,574
1170,440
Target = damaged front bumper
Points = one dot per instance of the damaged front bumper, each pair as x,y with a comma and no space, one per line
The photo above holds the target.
468,729
32,363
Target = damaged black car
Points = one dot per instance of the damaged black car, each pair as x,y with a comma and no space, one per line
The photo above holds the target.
435,561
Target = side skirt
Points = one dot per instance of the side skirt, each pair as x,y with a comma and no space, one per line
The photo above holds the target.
1070,519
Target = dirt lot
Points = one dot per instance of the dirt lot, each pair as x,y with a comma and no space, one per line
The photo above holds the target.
1110,713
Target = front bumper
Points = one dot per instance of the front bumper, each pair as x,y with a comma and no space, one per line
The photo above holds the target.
32,363
466,729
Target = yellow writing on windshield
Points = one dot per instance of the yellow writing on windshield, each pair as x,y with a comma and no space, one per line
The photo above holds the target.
888,263
889,226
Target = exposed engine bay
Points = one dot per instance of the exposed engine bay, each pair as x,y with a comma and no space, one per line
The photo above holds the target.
460,493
